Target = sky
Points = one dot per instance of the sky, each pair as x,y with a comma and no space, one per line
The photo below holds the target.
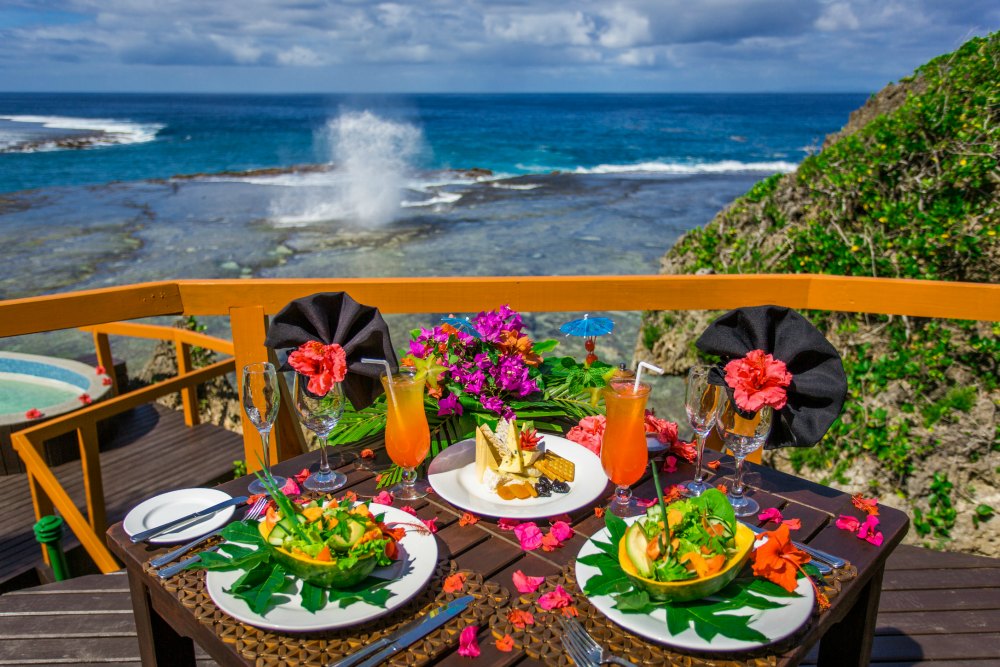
286,46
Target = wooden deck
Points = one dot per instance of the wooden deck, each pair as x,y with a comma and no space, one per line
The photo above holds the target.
937,610
147,442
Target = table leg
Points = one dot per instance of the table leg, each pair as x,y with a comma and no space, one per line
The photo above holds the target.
849,642
159,644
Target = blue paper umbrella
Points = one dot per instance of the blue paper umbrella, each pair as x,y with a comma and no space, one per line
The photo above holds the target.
463,325
588,327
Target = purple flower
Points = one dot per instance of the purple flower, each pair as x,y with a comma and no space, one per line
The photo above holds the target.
511,317
489,325
493,404
449,405
419,350
474,382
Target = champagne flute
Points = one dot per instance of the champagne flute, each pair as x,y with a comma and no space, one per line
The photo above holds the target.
742,434
260,401
701,401
624,453
407,436
320,414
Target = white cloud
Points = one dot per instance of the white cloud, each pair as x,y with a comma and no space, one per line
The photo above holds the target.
626,28
838,16
552,29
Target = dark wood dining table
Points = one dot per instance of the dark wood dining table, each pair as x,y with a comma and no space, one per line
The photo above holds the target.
167,628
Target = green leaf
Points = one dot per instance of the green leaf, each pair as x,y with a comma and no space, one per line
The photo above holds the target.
252,578
616,526
313,597
608,583
260,597
636,601
243,532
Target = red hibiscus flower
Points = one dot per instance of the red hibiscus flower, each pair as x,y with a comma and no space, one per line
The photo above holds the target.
324,365
758,379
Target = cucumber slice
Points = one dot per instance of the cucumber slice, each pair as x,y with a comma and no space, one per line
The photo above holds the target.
277,535
635,547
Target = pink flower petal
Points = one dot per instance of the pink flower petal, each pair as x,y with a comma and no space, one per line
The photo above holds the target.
645,502
556,599
770,514
302,475
670,464
525,584
291,488
561,531
848,522
529,536
508,524
409,510
431,524
383,498
867,526
468,643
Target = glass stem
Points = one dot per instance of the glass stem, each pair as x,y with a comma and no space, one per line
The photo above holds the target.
324,462
409,478
623,495
265,438
699,473
738,479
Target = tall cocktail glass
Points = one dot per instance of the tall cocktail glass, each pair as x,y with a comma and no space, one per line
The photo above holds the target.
623,452
702,404
742,434
261,399
407,436
320,414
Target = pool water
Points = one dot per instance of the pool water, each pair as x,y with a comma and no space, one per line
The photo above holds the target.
20,393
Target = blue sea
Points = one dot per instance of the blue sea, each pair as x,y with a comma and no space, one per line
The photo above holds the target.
98,190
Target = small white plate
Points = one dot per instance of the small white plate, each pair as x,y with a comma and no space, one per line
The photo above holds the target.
410,573
775,624
165,507
452,474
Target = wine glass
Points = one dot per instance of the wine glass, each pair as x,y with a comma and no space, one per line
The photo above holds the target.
742,434
320,414
260,401
701,401
407,436
623,452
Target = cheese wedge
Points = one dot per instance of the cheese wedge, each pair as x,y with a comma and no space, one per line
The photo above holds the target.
510,448
487,453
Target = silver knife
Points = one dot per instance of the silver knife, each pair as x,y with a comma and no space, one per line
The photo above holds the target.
397,641
812,551
171,570
153,532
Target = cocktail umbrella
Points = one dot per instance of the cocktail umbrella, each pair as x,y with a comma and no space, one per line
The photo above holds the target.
589,328
462,324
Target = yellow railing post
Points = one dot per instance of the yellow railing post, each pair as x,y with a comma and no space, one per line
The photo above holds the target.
102,346
41,502
249,330
93,481
189,395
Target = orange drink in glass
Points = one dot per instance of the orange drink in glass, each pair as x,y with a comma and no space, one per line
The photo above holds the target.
623,453
407,437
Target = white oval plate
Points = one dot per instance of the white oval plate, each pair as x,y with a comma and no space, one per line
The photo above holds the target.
418,558
165,507
452,474
775,624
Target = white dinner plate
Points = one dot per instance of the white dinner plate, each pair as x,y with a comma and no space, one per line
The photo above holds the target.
166,507
409,574
775,624
452,474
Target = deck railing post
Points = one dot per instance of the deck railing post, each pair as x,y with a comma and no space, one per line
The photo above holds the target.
41,502
102,345
189,395
93,481
249,328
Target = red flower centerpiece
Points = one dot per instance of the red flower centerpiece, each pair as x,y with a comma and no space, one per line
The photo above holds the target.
758,380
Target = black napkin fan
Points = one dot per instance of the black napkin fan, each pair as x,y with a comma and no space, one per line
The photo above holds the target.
334,317
819,384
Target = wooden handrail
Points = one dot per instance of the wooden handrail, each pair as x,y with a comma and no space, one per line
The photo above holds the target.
159,332
46,490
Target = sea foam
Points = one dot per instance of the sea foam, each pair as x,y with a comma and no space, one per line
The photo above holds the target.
720,167
96,132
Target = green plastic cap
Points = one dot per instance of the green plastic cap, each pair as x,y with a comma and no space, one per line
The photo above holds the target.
49,529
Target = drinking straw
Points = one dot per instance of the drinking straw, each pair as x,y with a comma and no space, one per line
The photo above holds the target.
388,374
638,373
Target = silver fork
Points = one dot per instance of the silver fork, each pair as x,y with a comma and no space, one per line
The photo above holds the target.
252,514
583,649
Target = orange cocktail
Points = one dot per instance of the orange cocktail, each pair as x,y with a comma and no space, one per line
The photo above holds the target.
407,437
623,453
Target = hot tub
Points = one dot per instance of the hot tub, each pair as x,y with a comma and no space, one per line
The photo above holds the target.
50,385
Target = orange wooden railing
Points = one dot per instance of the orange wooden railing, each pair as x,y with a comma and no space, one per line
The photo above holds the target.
247,303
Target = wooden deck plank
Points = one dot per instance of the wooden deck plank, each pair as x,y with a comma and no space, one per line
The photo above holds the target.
938,622
907,557
144,446
925,580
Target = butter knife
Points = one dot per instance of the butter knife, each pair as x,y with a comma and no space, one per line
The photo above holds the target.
190,518
820,557
399,640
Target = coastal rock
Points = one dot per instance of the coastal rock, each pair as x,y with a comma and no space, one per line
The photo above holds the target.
909,189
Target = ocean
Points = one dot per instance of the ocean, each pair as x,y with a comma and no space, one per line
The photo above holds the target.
98,190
